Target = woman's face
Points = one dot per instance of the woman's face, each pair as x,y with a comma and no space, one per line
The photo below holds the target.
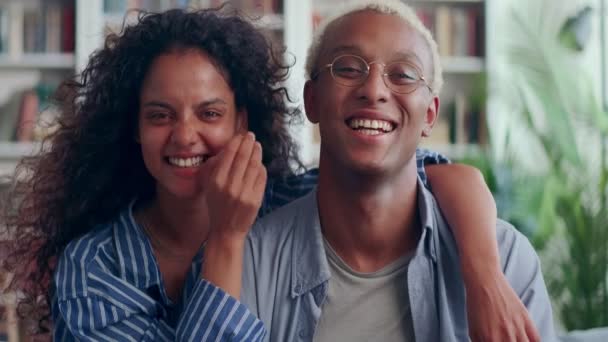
187,114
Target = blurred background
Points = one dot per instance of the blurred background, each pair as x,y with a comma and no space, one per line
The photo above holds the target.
525,100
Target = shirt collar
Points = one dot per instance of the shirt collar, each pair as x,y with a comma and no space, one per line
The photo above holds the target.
308,255
309,260
427,210
136,260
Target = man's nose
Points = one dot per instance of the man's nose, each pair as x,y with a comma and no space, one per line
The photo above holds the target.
374,88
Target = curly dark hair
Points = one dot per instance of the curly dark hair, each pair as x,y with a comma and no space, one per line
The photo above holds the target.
90,168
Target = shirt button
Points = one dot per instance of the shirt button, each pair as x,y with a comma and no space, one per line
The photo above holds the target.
302,334
298,288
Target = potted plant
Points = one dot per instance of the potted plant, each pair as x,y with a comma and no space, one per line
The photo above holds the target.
561,119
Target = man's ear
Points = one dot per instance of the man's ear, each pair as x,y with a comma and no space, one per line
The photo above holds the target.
430,118
309,102
242,121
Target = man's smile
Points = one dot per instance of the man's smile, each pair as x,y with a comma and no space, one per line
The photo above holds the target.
371,126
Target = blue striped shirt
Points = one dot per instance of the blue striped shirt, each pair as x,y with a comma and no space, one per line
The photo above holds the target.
108,286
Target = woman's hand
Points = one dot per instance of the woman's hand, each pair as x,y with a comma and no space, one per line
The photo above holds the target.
233,188
496,313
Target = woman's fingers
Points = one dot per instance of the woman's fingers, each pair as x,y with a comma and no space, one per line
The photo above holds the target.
241,164
227,156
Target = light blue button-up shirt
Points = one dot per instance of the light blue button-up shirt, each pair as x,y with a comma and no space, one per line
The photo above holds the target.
286,275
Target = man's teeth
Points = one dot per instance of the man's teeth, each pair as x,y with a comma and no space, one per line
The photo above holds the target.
376,126
185,162
369,131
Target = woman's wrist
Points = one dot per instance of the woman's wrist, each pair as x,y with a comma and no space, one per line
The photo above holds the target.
223,262
225,245
476,269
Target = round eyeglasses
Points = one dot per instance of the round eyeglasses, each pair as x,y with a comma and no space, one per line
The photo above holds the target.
350,70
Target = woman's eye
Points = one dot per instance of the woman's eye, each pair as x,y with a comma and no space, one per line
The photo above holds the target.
211,114
159,117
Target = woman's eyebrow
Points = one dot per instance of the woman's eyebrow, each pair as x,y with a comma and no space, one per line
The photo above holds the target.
156,104
213,101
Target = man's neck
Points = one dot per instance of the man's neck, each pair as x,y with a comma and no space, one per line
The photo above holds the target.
369,221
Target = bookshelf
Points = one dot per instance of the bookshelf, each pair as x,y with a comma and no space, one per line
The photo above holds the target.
460,28
289,21
37,51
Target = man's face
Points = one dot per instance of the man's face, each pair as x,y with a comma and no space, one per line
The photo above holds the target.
370,128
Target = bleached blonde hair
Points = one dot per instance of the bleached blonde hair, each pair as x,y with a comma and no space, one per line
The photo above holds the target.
391,7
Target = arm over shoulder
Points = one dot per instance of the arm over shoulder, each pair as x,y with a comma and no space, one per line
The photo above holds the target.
522,268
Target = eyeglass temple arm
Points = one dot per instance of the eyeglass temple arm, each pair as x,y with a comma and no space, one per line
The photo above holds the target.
318,72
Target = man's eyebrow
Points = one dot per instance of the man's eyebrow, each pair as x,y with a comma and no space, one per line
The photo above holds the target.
344,49
408,56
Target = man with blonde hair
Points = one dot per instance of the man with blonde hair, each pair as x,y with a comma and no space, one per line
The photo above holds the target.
368,256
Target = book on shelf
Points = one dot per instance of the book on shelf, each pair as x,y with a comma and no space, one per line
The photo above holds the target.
442,26
466,122
458,30
27,115
43,27
49,28
32,29
68,29
259,6
256,6
9,116
53,31
119,12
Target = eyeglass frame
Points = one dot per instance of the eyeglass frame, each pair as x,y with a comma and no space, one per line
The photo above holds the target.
384,74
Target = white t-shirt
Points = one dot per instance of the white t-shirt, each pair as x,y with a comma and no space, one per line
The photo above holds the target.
366,306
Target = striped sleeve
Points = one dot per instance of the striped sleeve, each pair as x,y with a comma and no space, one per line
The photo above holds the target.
92,318
427,157
91,304
213,315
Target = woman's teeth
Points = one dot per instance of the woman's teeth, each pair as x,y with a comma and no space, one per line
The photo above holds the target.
371,127
185,162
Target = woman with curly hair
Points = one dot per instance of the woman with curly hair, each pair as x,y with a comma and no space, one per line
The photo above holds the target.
164,145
